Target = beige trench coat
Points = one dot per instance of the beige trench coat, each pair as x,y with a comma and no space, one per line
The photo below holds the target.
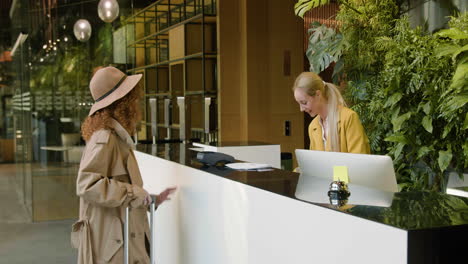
108,181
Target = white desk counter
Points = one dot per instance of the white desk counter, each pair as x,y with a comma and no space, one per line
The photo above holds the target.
221,216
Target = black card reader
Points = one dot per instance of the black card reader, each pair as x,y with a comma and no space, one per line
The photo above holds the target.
213,158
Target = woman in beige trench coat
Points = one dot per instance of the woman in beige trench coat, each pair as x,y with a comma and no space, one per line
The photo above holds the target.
108,178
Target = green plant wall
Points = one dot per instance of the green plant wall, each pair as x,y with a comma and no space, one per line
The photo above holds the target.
409,87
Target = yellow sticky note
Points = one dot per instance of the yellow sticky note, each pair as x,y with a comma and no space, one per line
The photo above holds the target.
340,173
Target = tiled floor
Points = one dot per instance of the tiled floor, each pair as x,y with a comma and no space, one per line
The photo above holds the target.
52,189
53,197
13,210
53,192
43,242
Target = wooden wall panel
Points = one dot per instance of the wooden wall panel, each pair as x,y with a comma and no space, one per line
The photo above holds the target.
230,82
258,68
177,40
283,106
257,40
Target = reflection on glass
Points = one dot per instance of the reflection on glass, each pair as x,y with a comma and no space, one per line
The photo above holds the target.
415,210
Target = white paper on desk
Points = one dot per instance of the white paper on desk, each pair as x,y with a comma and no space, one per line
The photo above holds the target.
247,166
197,149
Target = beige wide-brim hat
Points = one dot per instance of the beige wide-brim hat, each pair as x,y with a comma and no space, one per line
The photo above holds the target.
109,85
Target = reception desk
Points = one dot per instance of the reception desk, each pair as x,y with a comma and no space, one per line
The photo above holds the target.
219,215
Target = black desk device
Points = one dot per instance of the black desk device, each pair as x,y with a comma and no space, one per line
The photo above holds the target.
212,158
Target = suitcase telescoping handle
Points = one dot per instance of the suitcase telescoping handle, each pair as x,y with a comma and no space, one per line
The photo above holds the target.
126,237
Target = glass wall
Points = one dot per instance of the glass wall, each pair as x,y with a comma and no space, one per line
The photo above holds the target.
43,105
48,98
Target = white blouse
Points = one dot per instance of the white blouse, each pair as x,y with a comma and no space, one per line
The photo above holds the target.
324,126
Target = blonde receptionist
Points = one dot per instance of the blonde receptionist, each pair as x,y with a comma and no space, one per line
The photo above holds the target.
335,127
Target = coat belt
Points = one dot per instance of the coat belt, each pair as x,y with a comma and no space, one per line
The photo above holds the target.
81,239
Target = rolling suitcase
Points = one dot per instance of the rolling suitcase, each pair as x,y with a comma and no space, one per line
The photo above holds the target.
151,238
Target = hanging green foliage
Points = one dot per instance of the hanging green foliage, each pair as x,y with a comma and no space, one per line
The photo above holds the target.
325,47
302,6
409,87
415,101
454,109
363,24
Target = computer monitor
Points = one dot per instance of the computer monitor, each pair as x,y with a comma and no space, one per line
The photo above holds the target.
373,171
315,190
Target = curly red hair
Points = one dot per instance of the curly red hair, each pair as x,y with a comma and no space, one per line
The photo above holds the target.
125,110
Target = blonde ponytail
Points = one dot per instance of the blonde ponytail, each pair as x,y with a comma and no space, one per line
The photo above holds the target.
335,100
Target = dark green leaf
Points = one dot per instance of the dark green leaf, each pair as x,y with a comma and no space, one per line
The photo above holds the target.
465,124
453,33
447,49
460,50
460,77
398,122
395,112
422,151
302,6
447,129
427,123
465,153
398,150
427,108
396,138
393,99
444,159
456,102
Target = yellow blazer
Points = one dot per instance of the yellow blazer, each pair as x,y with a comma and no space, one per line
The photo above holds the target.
353,139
